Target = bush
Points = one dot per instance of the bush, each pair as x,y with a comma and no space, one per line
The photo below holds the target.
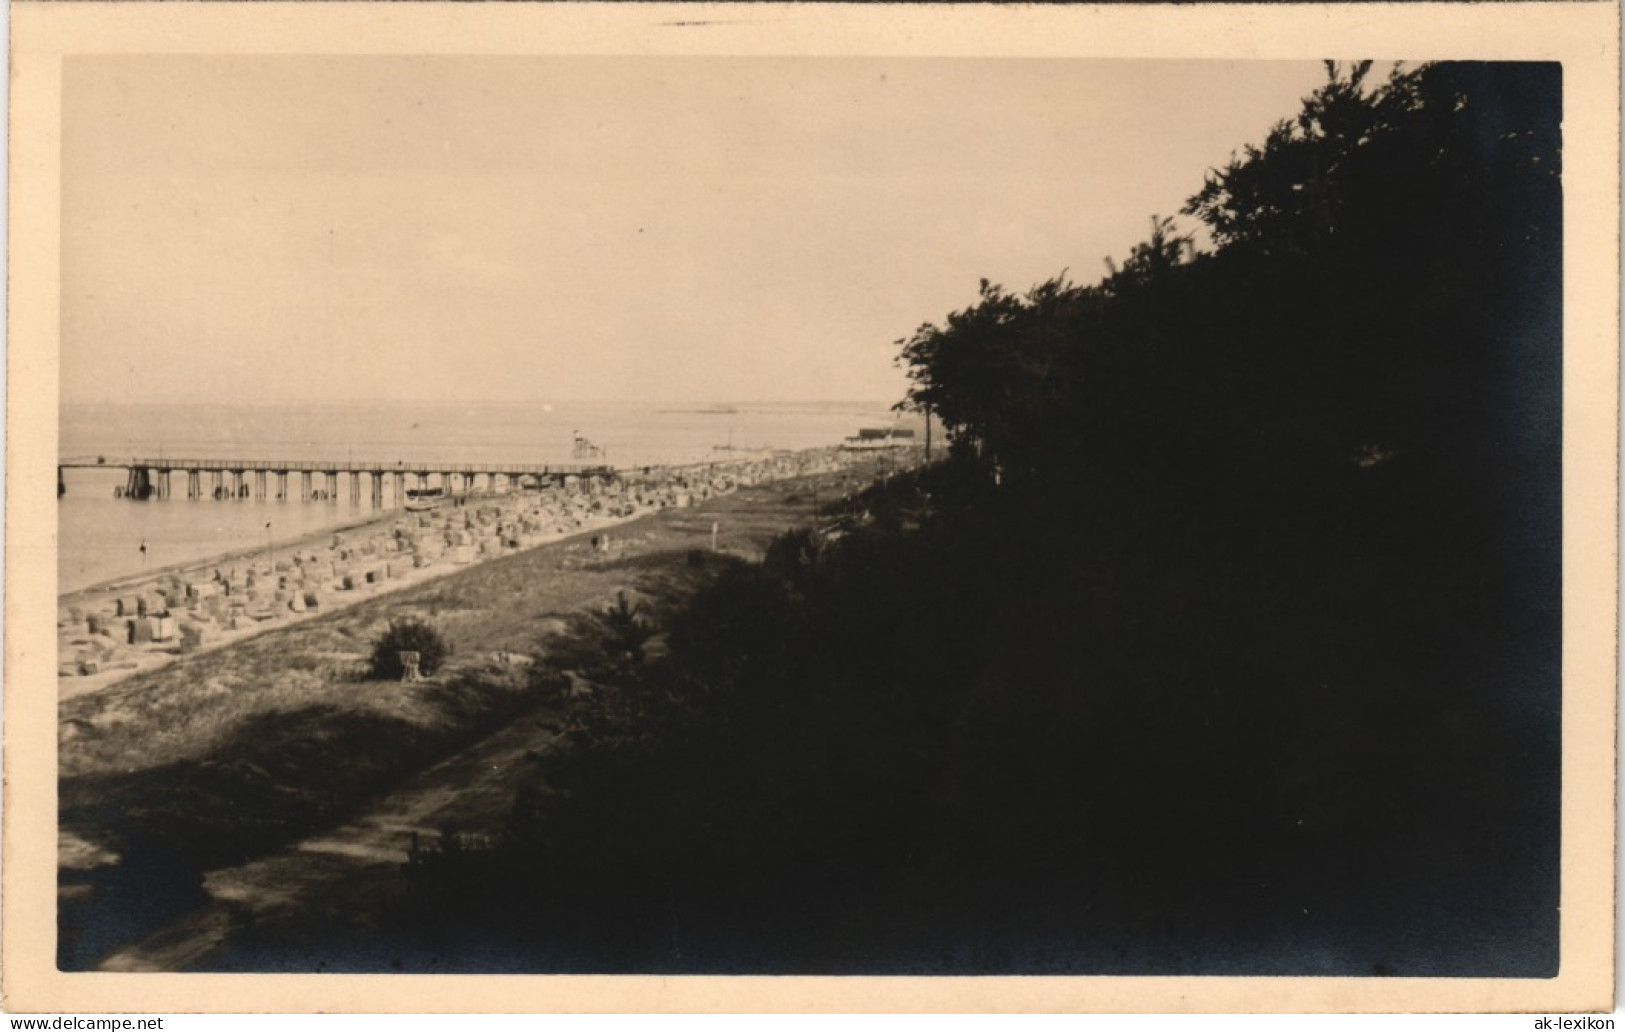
627,629
408,635
793,555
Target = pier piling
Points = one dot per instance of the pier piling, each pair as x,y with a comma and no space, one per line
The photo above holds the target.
150,478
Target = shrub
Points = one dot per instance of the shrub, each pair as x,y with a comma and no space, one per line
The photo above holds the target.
793,555
408,635
627,629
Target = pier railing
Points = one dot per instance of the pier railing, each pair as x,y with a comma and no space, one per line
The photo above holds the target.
151,477
330,466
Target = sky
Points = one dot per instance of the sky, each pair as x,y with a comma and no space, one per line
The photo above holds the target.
695,229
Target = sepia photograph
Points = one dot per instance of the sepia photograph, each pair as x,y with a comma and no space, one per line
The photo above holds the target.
782,510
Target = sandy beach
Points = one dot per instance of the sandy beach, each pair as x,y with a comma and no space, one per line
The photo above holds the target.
155,765
112,631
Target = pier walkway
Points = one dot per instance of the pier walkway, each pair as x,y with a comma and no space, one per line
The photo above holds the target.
252,478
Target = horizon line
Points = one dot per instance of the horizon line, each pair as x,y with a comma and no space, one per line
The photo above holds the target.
451,402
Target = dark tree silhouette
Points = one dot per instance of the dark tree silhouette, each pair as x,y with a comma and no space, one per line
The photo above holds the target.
1228,640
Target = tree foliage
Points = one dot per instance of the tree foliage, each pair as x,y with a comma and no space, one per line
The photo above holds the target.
1228,639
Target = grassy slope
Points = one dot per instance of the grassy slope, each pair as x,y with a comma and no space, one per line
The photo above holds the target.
227,755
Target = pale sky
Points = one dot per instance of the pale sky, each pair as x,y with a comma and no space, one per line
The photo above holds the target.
563,228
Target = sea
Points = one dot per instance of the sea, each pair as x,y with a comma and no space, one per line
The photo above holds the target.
103,538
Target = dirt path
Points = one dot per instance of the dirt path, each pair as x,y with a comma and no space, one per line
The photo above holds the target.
348,873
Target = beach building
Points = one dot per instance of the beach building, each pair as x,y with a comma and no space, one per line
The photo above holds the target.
876,439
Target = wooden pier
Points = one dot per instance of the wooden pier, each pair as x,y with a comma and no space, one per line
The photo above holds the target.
262,479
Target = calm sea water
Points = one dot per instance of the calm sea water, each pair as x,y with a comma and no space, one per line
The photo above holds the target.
100,536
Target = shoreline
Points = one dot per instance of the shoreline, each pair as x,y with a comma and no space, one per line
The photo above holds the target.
110,632
142,662
133,581
179,747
